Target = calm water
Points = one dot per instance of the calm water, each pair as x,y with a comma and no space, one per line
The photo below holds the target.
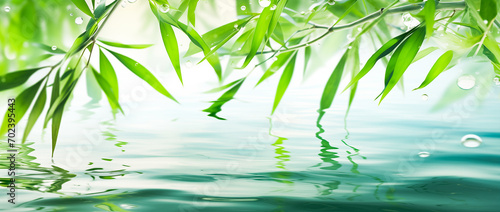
167,157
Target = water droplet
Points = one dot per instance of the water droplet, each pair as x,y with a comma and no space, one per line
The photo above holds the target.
496,80
273,7
78,20
350,38
132,1
6,9
349,47
264,3
424,154
164,8
331,2
466,82
471,140
485,21
236,26
71,14
136,64
53,48
425,97
243,8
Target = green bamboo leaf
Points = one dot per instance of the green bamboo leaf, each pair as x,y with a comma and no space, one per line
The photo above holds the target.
54,96
56,124
60,96
191,10
49,48
424,53
142,73
276,15
82,5
333,83
224,87
22,103
108,73
488,10
281,60
100,10
216,107
383,51
170,43
215,36
130,46
106,87
307,57
285,79
438,67
259,34
93,89
429,11
17,78
408,50
355,68
35,112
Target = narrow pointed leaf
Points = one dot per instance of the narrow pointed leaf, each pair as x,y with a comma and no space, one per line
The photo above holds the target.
49,48
383,51
285,79
17,78
142,73
224,87
259,34
130,46
438,67
307,57
56,124
488,10
170,43
108,73
406,53
424,53
106,87
35,112
281,60
333,83
276,15
191,10
429,11
82,5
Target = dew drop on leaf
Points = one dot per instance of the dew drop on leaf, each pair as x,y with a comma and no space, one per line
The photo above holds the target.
466,82
78,20
6,9
264,3
53,48
496,80
424,154
273,7
132,1
331,2
471,140
164,8
243,8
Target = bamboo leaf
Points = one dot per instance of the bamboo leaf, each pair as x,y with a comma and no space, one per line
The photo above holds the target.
17,78
408,50
216,107
108,73
35,112
56,124
383,51
276,15
488,10
170,43
130,46
224,87
82,5
285,79
49,48
142,73
106,87
438,67
333,83
22,103
281,60
259,34
424,53
307,57
191,10
93,89
429,11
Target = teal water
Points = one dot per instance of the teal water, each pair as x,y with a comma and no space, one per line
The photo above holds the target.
162,156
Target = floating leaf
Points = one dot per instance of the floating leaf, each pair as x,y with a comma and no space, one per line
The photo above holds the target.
170,43
35,112
17,78
121,45
438,67
216,107
333,83
143,73
285,79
